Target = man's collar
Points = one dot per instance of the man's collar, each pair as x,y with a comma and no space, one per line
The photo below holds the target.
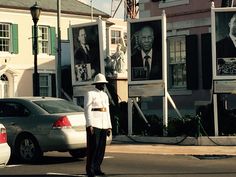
144,54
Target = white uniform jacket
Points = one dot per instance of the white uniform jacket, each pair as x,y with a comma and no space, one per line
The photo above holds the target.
97,99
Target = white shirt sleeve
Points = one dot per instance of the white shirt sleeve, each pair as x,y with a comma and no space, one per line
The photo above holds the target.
88,108
109,125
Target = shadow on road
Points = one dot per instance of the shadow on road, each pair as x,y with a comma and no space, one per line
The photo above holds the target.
46,160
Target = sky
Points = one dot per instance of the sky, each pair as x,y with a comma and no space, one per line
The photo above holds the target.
105,6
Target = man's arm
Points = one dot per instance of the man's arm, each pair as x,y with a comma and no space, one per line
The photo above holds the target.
88,108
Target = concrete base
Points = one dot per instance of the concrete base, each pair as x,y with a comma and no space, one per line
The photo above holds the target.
200,141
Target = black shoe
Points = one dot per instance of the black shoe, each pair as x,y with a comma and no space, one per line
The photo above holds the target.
90,175
100,173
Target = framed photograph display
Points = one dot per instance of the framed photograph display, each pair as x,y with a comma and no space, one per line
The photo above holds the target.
224,43
145,52
87,58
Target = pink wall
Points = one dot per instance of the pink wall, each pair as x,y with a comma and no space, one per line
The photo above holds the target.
195,9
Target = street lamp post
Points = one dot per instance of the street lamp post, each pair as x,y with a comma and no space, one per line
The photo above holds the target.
35,13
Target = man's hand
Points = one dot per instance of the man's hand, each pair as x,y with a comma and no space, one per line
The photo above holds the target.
108,132
91,130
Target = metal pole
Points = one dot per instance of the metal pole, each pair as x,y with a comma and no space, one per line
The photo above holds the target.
58,49
140,112
130,116
173,105
91,10
215,108
36,74
165,98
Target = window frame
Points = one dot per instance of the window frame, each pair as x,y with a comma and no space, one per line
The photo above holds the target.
116,39
9,38
41,41
48,86
24,111
171,3
177,62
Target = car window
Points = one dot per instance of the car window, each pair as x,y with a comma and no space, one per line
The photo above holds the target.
58,106
11,109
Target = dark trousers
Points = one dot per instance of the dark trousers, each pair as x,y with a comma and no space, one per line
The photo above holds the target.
96,144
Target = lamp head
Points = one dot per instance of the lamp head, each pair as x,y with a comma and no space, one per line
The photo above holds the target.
35,12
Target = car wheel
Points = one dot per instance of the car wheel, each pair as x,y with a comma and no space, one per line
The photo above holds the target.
78,153
27,149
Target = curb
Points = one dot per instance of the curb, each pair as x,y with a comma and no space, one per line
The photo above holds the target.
171,149
190,141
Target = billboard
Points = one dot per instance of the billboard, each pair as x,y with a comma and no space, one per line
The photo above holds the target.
224,43
145,50
87,47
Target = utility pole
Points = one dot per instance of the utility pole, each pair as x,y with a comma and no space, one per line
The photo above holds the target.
131,7
58,49
91,4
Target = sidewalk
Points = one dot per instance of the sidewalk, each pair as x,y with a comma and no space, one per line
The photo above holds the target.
171,149
168,149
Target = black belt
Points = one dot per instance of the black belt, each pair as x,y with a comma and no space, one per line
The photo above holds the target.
99,109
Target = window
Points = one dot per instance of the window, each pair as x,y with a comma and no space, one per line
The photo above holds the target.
12,109
8,37
43,39
115,36
58,106
45,85
177,61
5,37
46,40
171,3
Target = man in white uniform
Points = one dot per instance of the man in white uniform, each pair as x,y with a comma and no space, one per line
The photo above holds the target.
98,123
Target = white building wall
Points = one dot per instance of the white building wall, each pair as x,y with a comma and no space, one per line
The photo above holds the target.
21,66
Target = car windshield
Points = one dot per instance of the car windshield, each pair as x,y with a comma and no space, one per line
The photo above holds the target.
58,106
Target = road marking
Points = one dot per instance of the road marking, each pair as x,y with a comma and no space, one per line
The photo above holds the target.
109,157
64,174
10,166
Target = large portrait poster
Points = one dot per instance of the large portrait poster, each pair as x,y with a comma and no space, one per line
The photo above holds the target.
145,50
86,52
224,43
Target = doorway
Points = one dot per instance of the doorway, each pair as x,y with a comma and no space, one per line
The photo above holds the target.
4,86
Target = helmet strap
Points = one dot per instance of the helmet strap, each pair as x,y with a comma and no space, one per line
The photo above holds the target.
100,86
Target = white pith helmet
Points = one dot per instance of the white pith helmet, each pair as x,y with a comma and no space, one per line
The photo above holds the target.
100,79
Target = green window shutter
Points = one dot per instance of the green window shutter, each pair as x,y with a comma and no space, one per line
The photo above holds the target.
192,62
53,40
14,31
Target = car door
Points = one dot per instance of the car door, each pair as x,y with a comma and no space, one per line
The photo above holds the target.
14,117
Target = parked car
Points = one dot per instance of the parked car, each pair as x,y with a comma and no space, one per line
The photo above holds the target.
4,147
39,124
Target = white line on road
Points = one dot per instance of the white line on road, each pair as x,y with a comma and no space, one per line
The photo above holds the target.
64,174
10,166
109,157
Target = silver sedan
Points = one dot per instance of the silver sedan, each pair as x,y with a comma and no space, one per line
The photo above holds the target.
36,125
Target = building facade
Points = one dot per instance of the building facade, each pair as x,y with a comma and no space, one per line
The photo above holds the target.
16,42
189,56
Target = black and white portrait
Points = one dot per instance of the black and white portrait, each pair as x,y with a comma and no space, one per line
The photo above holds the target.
225,35
86,52
146,50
